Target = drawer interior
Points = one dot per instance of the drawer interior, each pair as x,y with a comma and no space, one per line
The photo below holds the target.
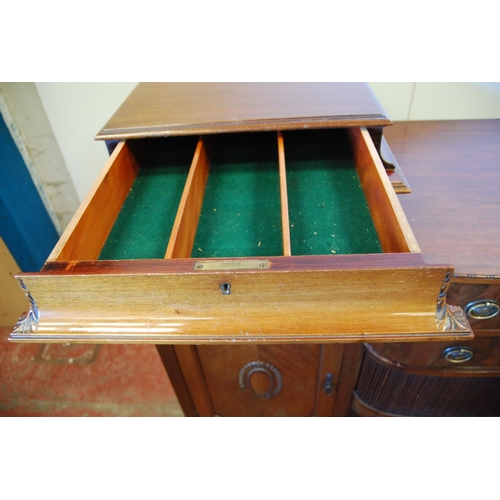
145,221
241,212
326,204
307,192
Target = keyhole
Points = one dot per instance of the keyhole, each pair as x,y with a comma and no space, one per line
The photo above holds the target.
225,288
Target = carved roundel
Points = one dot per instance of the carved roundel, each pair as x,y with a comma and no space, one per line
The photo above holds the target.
260,379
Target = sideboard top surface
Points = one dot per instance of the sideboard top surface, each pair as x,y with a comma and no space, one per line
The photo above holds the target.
453,168
162,109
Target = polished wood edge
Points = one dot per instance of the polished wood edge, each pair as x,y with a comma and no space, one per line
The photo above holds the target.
462,371
174,372
181,239
480,333
181,339
302,263
476,279
341,121
362,409
285,218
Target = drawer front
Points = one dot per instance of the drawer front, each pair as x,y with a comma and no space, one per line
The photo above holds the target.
481,355
481,302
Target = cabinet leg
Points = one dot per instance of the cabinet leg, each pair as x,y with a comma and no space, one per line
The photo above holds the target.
351,363
171,364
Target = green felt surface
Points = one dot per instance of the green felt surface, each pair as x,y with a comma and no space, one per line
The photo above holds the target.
143,226
241,212
327,207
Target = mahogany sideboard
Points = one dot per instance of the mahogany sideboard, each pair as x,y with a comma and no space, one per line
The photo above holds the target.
252,232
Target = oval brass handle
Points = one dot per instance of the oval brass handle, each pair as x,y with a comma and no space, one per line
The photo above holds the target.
482,309
458,354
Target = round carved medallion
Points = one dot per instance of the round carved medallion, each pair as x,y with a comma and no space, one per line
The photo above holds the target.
260,379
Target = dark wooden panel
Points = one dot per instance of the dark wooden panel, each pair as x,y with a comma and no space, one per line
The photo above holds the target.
353,354
329,379
169,359
461,294
427,358
393,391
297,366
159,109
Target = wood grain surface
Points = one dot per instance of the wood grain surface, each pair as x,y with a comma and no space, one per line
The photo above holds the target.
87,231
335,305
427,358
384,389
392,226
160,109
453,168
297,366
188,213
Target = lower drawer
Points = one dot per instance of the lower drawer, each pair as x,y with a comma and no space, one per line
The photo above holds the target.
385,390
478,356
480,301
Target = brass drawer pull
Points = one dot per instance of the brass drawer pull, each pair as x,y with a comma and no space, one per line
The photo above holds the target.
482,309
458,354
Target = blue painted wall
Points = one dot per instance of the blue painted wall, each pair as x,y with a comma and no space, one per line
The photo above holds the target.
25,225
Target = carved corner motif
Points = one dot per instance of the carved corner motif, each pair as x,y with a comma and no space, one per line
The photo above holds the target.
449,318
28,323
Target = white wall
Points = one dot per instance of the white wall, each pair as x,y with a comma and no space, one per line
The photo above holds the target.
77,111
27,122
439,101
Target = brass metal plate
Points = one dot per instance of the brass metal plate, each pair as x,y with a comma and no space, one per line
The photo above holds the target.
230,265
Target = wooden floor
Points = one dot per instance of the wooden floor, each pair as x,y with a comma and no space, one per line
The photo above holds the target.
62,380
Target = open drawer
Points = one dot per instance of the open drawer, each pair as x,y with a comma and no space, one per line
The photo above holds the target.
282,236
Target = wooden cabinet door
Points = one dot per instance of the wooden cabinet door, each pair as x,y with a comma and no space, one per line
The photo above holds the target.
260,380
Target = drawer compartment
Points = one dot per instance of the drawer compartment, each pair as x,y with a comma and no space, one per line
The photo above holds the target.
241,213
251,237
327,207
146,218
